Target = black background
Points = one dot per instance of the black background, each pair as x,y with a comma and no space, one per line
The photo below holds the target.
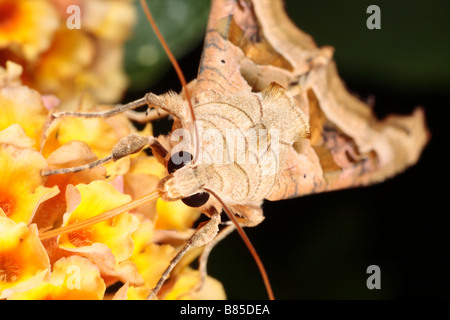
319,247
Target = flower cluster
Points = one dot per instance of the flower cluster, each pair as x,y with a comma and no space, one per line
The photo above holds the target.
121,258
73,64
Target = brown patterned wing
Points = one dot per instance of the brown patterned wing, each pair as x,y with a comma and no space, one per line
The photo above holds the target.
349,147
250,44
237,55
218,72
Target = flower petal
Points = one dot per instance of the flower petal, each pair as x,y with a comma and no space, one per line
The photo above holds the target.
24,263
21,184
23,106
74,153
85,201
72,278
187,284
27,26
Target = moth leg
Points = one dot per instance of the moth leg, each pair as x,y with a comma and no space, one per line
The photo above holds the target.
204,234
100,114
170,102
148,116
249,215
126,146
203,260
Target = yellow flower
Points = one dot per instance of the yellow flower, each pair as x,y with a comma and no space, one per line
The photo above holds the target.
72,278
26,27
85,201
24,106
109,19
23,260
167,219
128,292
21,184
60,69
10,76
186,287
152,262
73,64
74,153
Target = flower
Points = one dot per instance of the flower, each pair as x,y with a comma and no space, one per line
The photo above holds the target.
26,27
187,284
20,104
21,184
74,64
72,278
85,201
56,68
24,263
71,154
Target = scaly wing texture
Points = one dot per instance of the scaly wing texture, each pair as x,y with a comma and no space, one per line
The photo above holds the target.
249,44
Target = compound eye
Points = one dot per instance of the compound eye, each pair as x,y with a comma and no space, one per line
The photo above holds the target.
196,200
178,160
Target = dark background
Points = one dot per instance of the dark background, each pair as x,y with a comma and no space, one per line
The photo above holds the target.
319,247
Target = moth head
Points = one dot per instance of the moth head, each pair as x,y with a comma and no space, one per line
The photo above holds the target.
183,181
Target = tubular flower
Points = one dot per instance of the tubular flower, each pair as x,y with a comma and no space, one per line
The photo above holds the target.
72,278
187,287
24,263
74,153
46,67
133,248
74,51
26,27
21,184
20,104
85,201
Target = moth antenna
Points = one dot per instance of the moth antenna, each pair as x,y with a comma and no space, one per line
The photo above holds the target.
249,245
100,217
180,74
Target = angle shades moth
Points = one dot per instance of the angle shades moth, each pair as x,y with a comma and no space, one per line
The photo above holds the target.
253,51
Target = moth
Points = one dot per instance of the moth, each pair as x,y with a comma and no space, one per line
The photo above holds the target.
301,131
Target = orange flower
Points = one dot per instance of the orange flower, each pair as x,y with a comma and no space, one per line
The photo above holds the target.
85,201
183,219
72,278
74,153
23,260
73,64
186,287
19,104
60,69
27,27
21,184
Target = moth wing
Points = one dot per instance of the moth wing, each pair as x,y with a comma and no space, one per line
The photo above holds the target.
349,146
250,44
242,52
